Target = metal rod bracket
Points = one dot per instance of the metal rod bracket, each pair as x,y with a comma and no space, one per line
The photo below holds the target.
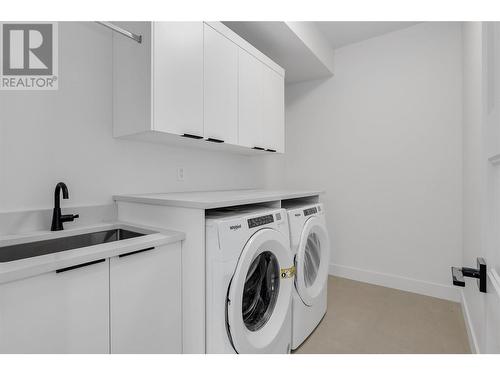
118,29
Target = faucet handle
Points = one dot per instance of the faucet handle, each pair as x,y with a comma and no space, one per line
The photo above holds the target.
70,217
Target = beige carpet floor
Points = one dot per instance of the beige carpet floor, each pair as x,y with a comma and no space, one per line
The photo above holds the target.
365,318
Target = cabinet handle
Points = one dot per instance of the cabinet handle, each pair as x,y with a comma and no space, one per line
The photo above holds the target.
80,265
258,148
271,150
191,136
215,140
135,252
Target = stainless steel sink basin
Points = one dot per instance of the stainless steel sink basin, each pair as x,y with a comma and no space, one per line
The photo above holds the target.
34,249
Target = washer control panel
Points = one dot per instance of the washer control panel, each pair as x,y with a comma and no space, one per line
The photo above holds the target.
260,220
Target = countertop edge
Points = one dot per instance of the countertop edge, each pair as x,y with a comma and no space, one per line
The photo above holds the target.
21,269
137,198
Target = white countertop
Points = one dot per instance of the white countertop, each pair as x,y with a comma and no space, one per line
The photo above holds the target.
19,269
215,199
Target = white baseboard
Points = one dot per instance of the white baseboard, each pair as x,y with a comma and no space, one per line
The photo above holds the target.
397,282
474,347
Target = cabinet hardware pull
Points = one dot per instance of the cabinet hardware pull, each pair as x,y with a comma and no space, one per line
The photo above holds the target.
215,140
80,265
135,252
192,136
258,148
271,150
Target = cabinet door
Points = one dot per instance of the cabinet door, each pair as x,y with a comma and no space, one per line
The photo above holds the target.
273,109
178,77
64,312
221,87
250,103
146,301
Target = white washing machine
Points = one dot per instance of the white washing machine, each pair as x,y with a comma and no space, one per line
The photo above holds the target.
311,251
249,282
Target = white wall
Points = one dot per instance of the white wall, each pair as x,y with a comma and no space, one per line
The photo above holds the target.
66,135
383,138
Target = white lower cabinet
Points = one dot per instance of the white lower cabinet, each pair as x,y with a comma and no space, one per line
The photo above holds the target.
125,304
145,291
57,312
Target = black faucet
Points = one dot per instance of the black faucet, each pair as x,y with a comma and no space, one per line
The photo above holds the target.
57,218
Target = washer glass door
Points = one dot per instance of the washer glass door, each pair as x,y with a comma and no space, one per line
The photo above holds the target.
312,260
259,295
261,290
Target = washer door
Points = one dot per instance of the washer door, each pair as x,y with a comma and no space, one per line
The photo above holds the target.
260,293
312,260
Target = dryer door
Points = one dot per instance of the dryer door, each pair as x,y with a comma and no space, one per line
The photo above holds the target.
313,256
260,292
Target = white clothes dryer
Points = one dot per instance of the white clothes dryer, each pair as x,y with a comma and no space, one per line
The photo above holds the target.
311,251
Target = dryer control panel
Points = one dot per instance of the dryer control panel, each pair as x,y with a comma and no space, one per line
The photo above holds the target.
310,211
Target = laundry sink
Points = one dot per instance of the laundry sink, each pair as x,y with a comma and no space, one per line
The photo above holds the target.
56,245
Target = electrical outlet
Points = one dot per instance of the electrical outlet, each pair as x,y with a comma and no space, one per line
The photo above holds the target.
180,174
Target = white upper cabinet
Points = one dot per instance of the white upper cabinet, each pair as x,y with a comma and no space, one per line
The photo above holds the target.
261,105
178,77
158,84
196,80
220,87
250,121
273,110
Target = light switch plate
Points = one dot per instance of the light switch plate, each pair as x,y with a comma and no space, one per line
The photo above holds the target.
180,174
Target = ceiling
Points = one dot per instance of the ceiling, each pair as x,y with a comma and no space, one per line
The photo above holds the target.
277,41
343,33
298,55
